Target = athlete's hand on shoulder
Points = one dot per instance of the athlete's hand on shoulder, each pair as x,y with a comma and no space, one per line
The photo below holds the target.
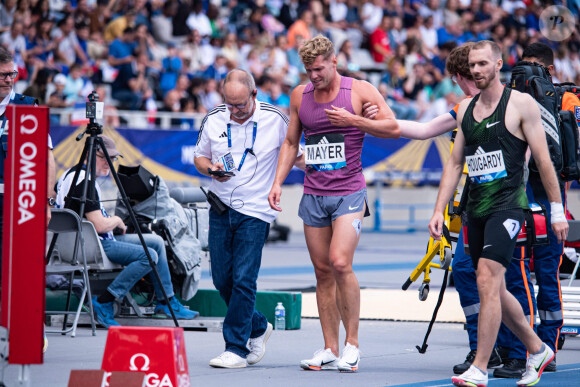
369,110
560,230
274,197
339,116
436,226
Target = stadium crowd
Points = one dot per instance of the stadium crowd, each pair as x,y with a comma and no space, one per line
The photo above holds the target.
171,55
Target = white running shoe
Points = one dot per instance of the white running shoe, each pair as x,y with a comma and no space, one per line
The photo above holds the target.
349,360
257,346
471,378
323,360
535,366
228,360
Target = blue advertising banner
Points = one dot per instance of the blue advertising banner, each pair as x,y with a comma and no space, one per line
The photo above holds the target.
170,154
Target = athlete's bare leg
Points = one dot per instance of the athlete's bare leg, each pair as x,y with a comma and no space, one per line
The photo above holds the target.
345,237
497,304
318,240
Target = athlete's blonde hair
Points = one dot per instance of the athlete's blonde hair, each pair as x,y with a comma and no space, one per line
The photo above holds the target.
315,47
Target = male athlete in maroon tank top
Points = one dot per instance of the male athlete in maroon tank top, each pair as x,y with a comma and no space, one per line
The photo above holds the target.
329,111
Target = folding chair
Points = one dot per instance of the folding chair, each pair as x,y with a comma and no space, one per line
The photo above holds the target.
63,259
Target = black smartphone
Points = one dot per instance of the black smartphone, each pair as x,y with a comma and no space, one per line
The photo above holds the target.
220,173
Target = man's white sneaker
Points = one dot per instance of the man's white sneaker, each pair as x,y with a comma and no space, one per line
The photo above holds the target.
322,360
471,378
535,366
228,360
257,346
350,358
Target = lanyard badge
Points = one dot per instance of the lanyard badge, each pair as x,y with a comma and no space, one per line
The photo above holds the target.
248,150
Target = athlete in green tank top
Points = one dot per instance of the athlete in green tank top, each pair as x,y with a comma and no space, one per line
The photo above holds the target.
495,160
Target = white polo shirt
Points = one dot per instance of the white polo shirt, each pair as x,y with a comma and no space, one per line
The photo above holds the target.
247,192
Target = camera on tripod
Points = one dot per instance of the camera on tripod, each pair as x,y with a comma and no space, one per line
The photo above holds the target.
95,108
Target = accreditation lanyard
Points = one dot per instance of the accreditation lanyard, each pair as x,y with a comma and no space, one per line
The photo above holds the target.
248,150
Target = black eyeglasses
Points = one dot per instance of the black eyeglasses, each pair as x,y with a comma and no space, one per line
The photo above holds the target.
238,106
10,75
113,159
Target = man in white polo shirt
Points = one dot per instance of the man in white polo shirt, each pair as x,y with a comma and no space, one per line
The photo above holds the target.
241,139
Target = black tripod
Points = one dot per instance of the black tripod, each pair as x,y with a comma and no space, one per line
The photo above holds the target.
92,144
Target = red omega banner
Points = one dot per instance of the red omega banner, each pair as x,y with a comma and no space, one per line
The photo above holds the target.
24,235
158,352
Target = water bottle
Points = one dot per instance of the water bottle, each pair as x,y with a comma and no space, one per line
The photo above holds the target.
280,314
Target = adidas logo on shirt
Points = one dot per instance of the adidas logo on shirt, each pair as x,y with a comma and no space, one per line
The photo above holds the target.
479,151
223,135
323,140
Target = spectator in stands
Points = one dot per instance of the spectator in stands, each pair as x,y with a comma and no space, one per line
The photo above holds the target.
293,57
379,41
218,69
278,58
372,14
57,98
397,34
68,49
116,27
195,91
279,99
182,86
196,54
97,49
110,116
300,27
171,68
290,12
171,104
82,30
146,43
73,89
123,249
23,12
320,27
230,50
338,11
7,9
82,13
100,16
121,50
41,45
15,42
345,65
131,87
444,50
37,86
474,31
254,62
198,20
453,30
210,96
429,37
263,86
433,10
162,24
396,100
40,10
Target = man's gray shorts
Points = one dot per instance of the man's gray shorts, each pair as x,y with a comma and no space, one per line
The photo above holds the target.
321,211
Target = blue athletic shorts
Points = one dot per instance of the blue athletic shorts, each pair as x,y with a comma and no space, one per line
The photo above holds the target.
321,211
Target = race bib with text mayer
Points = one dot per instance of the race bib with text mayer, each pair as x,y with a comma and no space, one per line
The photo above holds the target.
325,152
